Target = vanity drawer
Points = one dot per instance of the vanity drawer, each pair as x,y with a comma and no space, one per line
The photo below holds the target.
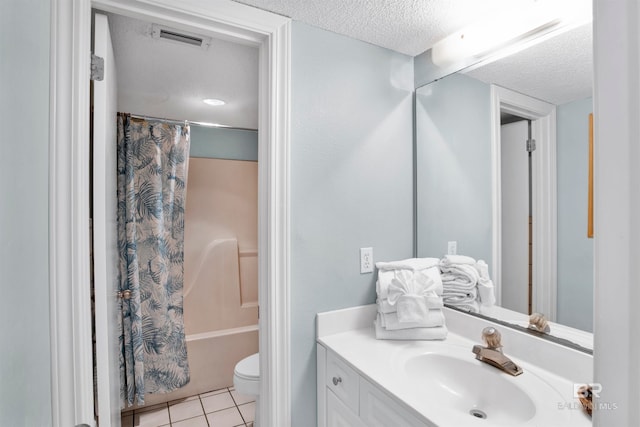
379,410
338,415
343,381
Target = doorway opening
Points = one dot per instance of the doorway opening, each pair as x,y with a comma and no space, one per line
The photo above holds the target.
517,148
168,85
72,383
542,117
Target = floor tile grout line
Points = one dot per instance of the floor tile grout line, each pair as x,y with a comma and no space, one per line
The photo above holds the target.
204,411
237,408
169,414
166,406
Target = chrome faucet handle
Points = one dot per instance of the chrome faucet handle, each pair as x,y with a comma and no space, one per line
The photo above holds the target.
492,337
492,353
538,322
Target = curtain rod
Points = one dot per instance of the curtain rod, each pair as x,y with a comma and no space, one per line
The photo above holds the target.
203,124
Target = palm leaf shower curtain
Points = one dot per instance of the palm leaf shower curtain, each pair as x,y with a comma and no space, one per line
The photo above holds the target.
152,177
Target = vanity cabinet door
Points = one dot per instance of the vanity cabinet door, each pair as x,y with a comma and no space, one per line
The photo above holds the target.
343,381
338,415
379,410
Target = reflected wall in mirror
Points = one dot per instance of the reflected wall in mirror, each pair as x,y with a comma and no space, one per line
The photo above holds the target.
459,165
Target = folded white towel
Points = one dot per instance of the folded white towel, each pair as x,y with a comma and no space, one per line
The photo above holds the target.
437,333
419,283
434,274
413,309
451,281
385,277
460,273
457,259
408,264
432,301
486,290
486,293
410,287
431,318
452,295
453,289
470,306
483,269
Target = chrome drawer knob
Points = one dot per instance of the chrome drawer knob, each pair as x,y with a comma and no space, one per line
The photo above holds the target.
337,380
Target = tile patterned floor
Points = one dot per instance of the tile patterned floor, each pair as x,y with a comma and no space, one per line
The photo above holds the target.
219,408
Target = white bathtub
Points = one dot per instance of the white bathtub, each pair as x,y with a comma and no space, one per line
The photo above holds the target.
212,357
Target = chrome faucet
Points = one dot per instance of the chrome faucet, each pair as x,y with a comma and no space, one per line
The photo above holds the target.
492,353
538,323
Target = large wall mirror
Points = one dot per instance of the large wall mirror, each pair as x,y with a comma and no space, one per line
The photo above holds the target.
523,212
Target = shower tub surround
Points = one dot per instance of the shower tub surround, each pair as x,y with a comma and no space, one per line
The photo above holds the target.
367,382
220,273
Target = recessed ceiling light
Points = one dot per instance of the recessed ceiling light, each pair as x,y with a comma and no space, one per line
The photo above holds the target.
213,101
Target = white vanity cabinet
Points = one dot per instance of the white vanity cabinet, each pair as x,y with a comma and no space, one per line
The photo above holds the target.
346,399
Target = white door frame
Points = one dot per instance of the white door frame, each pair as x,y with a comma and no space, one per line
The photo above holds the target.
71,354
544,198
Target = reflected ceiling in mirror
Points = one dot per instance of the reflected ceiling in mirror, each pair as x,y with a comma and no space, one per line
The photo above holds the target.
558,70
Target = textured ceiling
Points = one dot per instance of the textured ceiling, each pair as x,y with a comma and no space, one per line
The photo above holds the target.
558,70
167,79
407,26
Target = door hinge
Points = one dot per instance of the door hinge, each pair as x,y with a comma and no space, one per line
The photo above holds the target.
531,145
97,68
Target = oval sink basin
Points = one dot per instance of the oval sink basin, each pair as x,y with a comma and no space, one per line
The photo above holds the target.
481,391
455,389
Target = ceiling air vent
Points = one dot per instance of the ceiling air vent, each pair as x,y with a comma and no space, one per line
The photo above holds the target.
170,34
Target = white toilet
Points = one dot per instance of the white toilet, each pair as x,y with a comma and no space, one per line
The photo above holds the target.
246,380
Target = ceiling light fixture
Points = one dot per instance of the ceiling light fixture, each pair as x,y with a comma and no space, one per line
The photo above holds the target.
489,37
214,102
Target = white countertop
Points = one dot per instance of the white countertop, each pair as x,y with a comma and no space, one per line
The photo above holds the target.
382,362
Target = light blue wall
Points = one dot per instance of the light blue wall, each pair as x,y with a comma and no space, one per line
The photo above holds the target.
575,250
223,143
453,154
25,396
351,182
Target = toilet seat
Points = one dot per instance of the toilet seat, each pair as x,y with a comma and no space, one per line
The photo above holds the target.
246,375
249,367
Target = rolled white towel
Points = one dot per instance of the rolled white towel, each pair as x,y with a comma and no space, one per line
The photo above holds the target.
448,260
436,333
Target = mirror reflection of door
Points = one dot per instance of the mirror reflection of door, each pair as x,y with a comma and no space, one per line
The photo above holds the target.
516,214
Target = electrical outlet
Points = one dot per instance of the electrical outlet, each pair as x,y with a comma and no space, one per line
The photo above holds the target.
452,248
366,260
